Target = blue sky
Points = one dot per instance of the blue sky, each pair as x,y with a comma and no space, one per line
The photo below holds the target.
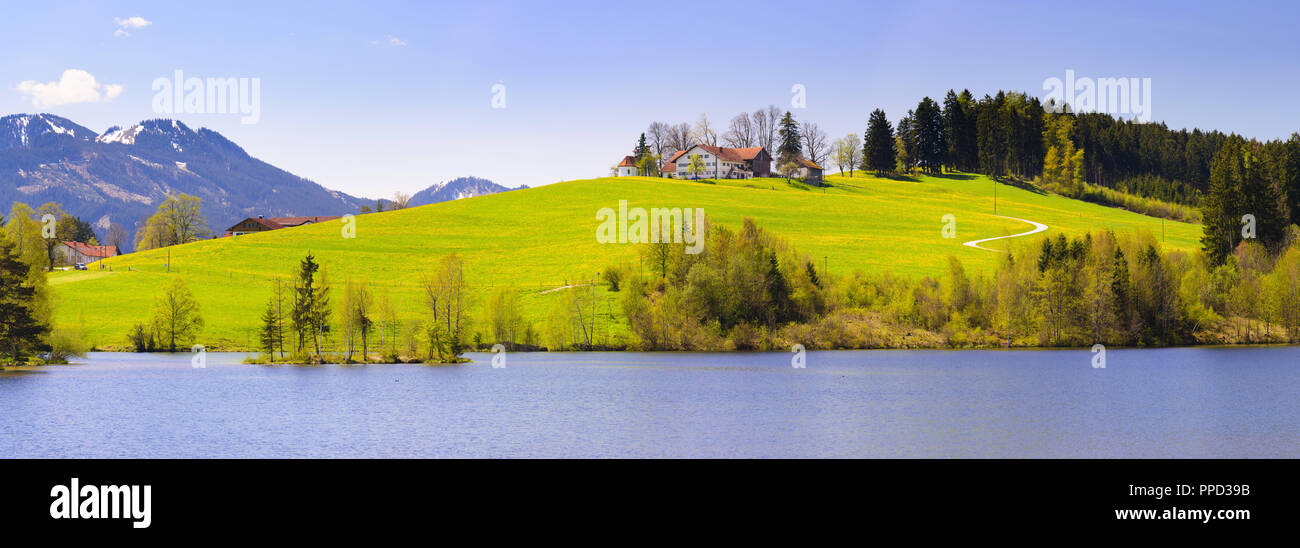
377,97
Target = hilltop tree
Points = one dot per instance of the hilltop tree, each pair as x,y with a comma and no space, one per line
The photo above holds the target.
814,142
648,164
878,148
401,200
846,151
791,146
704,133
765,127
642,148
178,220
660,139
679,136
789,170
740,132
905,138
931,148
960,131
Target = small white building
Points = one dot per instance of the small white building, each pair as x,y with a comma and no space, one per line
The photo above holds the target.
627,167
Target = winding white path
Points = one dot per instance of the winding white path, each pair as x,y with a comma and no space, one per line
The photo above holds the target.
1038,227
562,288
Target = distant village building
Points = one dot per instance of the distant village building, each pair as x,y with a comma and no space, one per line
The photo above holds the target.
808,171
627,167
720,163
262,224
70,253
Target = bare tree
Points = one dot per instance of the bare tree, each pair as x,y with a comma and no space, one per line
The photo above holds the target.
660,138
679,136
401,200
117,236
765,126
704,133
740,133
814,142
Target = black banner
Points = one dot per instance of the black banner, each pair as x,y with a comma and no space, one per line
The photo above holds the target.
1183,497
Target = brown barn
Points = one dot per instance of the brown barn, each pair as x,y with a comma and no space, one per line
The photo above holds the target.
262,224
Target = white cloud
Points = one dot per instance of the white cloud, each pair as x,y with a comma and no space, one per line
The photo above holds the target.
395,41
75,86
136,22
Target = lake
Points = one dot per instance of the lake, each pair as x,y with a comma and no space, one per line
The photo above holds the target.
1181,402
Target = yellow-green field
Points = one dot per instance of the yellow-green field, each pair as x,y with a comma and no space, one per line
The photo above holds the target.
543,238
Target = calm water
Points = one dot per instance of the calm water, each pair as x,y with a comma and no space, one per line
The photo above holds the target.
1196,402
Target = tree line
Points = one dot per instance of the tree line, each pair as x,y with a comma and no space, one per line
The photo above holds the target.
1098,157
28,246
751,290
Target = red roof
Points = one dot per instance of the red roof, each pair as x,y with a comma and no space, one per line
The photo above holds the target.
669,168
88,250
807,163
725,153
628,161
266,223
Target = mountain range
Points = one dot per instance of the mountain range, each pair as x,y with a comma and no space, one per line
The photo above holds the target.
121,175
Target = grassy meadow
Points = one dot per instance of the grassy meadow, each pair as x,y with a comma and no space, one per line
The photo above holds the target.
539,239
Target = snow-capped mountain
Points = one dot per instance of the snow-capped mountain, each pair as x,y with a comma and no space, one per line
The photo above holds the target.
120,176
455,189
36,130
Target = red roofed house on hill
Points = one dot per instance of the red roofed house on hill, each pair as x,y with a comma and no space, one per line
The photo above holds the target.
627,167
78,252
720,163
262,224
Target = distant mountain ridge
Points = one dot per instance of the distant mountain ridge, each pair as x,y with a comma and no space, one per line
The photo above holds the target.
455,189
121,175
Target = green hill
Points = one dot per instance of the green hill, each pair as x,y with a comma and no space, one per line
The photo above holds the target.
544,238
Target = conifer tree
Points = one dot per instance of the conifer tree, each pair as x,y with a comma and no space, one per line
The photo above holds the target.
791,147
878,144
